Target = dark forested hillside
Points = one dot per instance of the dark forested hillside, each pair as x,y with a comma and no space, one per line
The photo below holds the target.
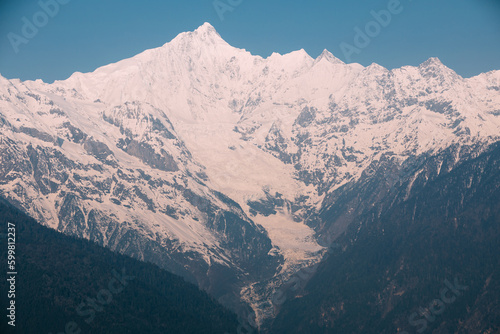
425,261
67,285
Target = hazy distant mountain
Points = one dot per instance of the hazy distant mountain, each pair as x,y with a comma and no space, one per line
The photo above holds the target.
227,168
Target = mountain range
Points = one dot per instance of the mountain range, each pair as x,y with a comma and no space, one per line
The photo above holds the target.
232,170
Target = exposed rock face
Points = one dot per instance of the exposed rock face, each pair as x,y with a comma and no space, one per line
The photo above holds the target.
230,169
433,227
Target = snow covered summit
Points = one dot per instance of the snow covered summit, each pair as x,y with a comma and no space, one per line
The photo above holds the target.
211,161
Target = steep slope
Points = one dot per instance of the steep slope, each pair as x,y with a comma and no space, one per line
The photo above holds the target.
219,165
120,176
428,233
59,276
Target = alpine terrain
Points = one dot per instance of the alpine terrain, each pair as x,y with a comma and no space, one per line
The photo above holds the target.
237,172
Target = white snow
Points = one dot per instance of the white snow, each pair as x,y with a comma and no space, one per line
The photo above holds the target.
206,88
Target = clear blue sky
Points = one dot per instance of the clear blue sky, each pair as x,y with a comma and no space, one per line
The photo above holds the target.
86,34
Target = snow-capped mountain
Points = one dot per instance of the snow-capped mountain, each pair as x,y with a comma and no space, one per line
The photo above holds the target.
216,164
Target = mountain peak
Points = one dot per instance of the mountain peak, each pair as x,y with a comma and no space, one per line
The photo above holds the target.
206,34
301,52
433,61
206,28
375,68
327,55
433,66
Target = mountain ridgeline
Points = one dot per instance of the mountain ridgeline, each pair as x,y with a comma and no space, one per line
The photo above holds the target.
389,268
69,285
237,172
